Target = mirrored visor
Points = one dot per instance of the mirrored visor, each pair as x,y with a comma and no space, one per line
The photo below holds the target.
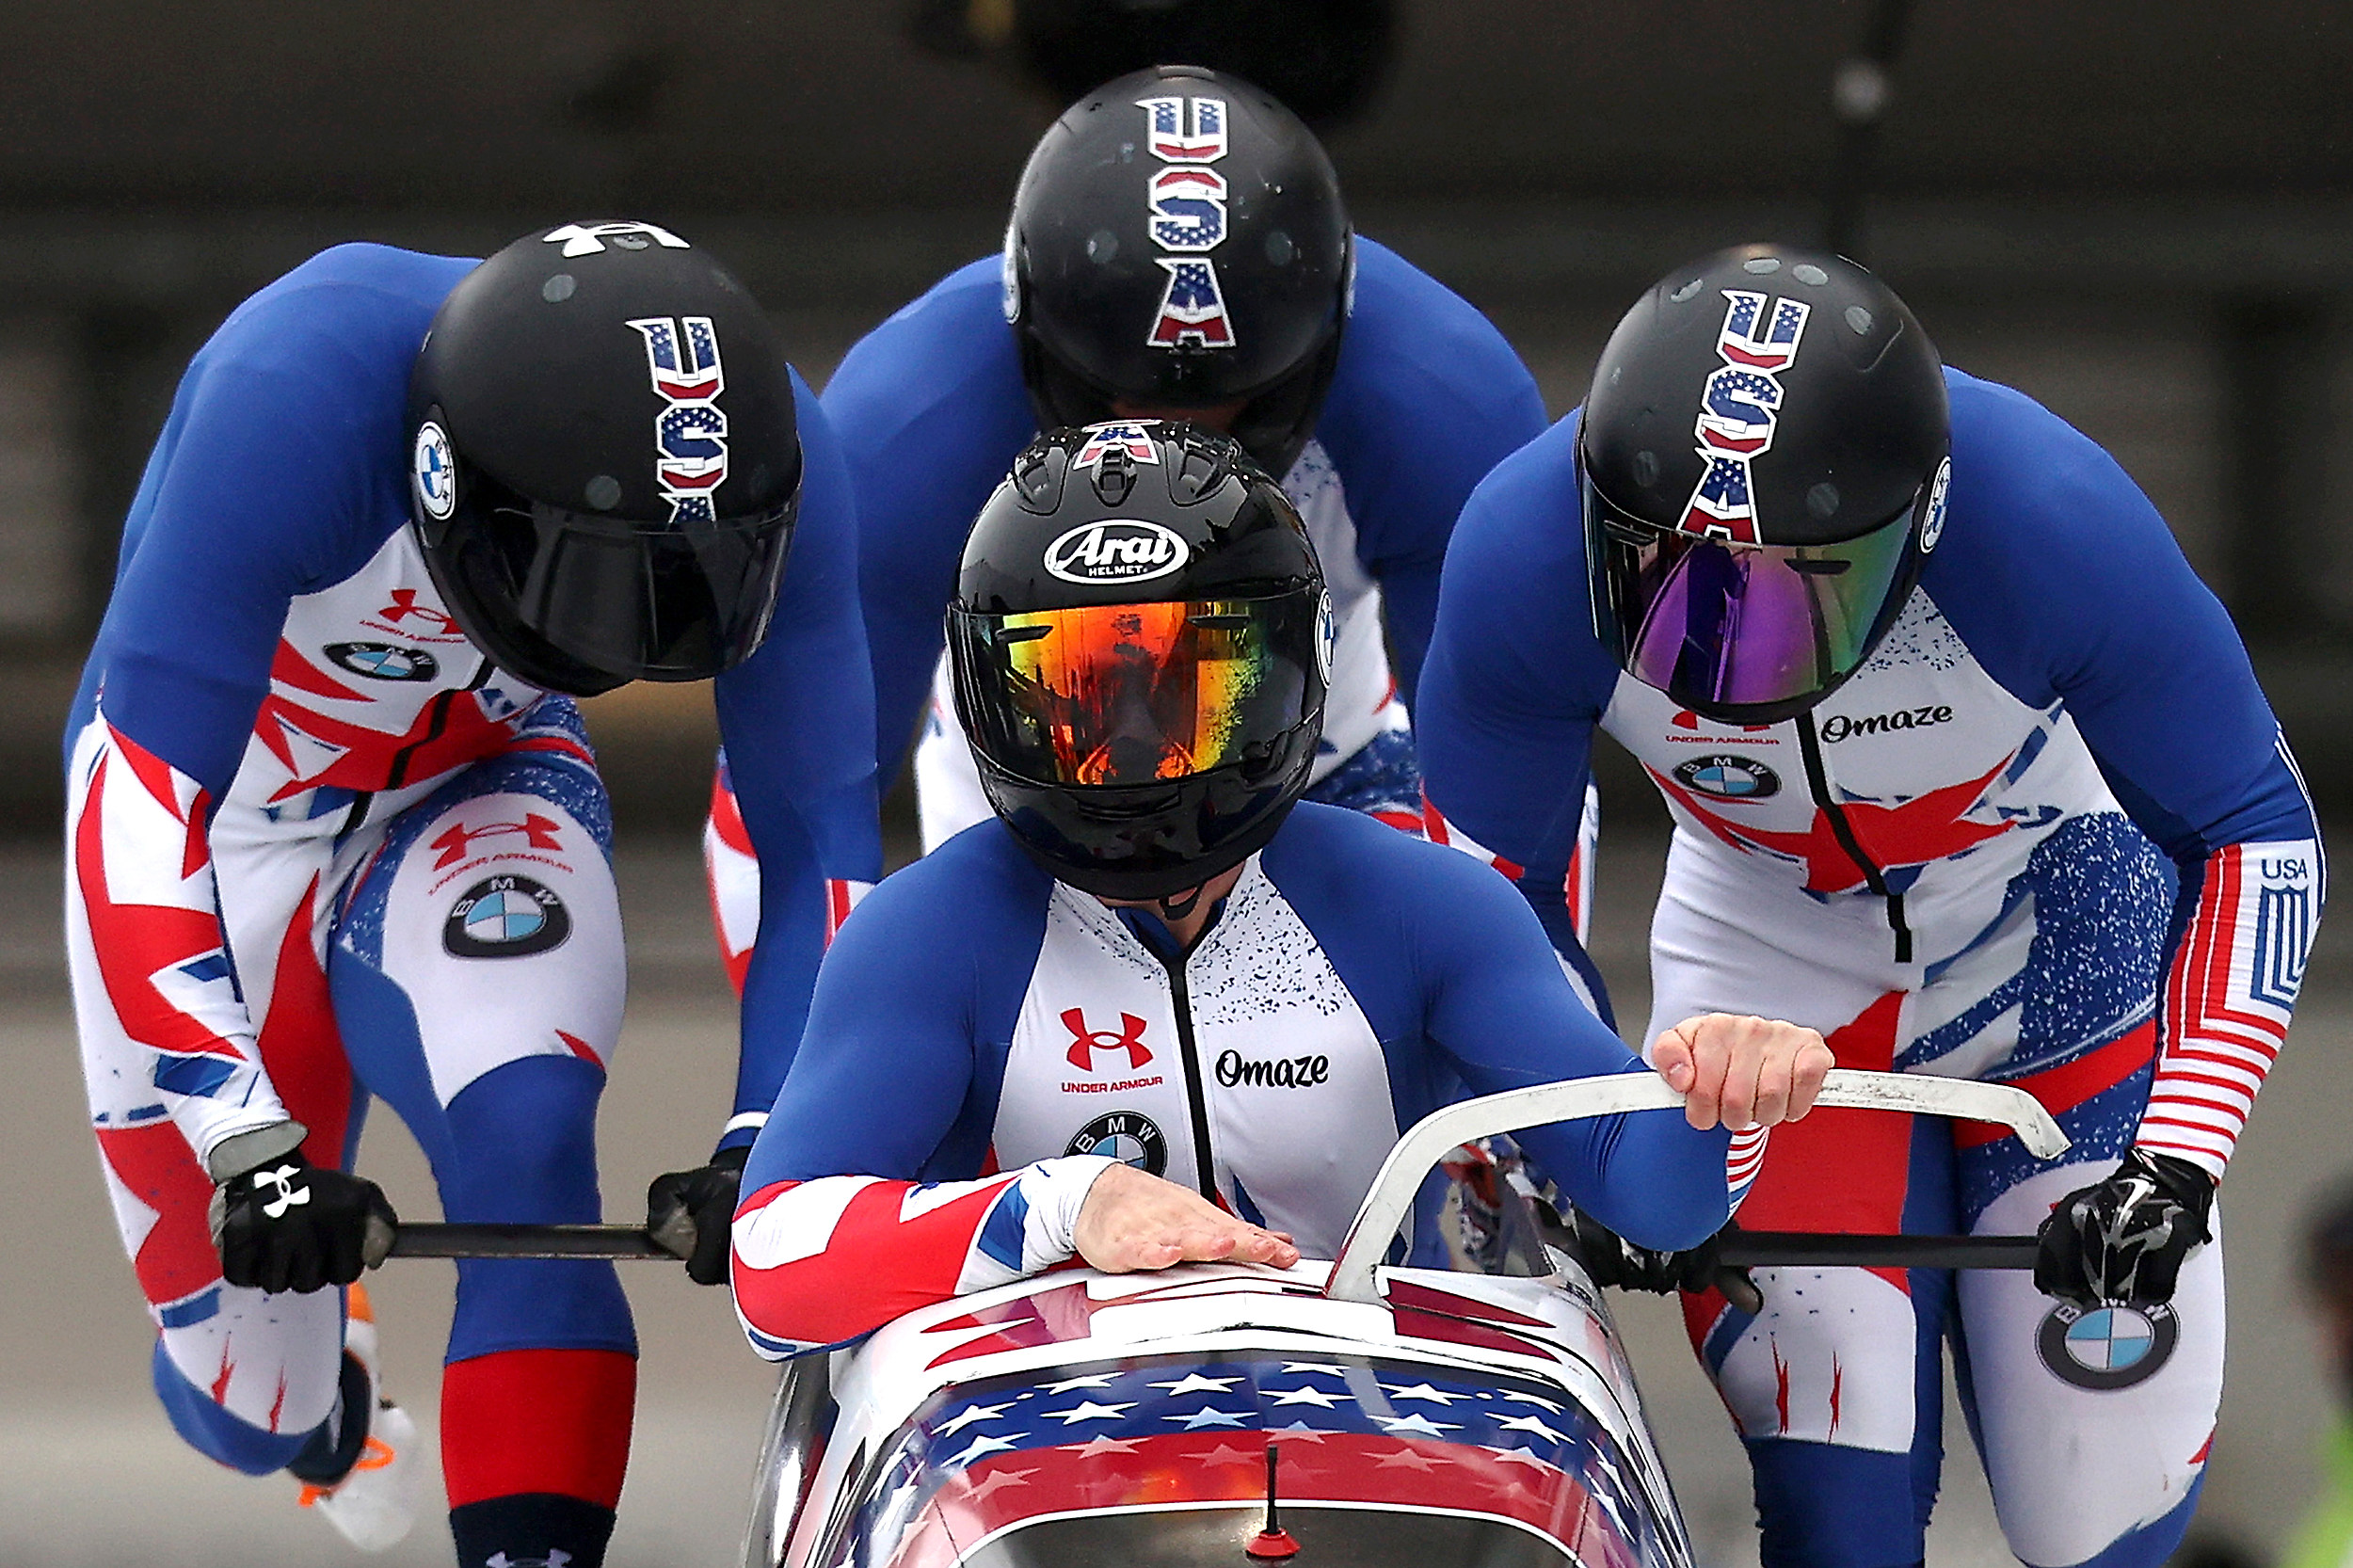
1713,623
1129,694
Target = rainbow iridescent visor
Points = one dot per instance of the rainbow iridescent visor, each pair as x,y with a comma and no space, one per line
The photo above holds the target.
1129,693
1742,632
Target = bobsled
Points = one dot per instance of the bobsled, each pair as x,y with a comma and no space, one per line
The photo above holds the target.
1344,1412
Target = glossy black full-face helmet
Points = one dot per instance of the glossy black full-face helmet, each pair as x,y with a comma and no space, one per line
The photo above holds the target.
1764,459
1141,643
604,468
1178,242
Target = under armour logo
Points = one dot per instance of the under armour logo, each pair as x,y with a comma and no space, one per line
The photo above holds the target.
405,604
1085,1041
587,239
457,844
556,1557
288,1194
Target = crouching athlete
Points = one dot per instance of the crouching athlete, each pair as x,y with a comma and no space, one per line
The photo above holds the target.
335,831
1156,1010
1209,274
1969,772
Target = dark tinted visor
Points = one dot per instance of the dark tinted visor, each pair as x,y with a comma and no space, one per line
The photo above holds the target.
664,602
1129,693
1717,625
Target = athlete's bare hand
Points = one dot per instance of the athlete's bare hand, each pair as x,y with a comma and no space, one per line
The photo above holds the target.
1742,1072
1132,1221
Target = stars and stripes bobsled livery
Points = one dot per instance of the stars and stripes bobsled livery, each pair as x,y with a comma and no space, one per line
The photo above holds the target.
2047,833
322,846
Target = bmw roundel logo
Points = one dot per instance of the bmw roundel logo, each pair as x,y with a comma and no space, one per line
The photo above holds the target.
1932,526
1128,1136
505,917
1327,637
1728,777
433,470
383,661
2109,1347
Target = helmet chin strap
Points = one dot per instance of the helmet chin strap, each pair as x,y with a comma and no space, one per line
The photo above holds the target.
1179,907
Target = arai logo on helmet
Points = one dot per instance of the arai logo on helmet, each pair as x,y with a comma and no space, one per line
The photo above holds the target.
1932,526
1117,550
434,471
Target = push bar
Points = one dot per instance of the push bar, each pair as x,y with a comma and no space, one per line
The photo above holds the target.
1428,1140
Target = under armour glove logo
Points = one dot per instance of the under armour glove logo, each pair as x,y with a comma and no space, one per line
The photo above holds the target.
291,1225
288,1194
556,1557
2124,1239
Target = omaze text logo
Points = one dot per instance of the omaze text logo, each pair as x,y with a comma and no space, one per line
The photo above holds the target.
1085,1041
689,435
1185,198
1740,405
1838,726
1117,550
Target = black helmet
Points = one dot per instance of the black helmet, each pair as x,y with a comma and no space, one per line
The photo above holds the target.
1141,643
605,467
1178,242
1763,460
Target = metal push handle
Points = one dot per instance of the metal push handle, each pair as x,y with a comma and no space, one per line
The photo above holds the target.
1428,1140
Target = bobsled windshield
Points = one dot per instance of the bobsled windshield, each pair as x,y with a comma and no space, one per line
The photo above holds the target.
1161,1462
1328,1534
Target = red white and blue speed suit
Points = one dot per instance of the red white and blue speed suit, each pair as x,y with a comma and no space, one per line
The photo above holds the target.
1426,398
320,848
2049,834
983,1037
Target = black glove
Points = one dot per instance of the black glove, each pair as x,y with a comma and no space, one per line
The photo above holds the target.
286,1225
689,1213
2125,1238
1611,1259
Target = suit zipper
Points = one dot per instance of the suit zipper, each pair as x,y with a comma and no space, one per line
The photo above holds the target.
1817,780
1196,1097
398,773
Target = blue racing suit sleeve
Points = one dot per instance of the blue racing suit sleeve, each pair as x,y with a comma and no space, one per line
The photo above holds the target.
796,719
1426,398
1515,681
931,412
2067,586
279,471
1479,987
899,1068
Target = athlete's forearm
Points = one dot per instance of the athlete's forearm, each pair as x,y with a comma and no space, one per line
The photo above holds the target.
820,1263
158,967
2228,996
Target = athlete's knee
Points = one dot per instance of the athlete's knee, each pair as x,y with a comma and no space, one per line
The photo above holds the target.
1820,1505
523,1144
208,1426
2148,1545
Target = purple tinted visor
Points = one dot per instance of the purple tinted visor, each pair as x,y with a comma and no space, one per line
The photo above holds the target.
1719,626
